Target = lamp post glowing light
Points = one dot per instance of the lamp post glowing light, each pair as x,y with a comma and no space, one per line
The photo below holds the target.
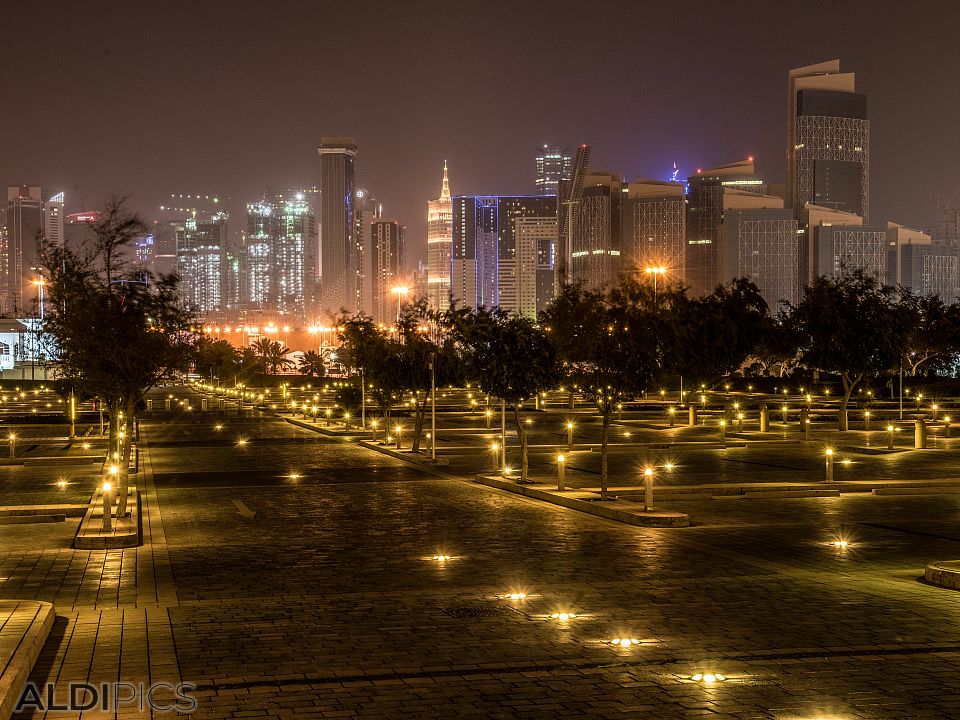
561,462
648,489
401,292
829,461
569,436
656,272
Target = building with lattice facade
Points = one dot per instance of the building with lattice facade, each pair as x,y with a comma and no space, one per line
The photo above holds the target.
708,193
655,225
840,248
596,242
828,140
918,263
762,245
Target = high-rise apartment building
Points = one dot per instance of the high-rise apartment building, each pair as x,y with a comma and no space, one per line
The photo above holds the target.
918,263
828,140
709,193
841,248
483,264
53,220
553,165
530,289
366,211
338,261
386,268
279,254
201,249
21,259
439,246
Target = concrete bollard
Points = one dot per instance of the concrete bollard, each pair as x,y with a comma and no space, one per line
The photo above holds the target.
723,431
149,405
222,404
920,435
805,423
569,436
890,437
166,404
107,507
561,462
692,415
203,404
764,419
946,427
829,454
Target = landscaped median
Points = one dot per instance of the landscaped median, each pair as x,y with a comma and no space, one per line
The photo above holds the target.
125,532
625,511
24,627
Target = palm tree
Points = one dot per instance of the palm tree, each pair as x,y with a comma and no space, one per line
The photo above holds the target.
312,365
273,354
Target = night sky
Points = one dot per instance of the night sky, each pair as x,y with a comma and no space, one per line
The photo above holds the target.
231,97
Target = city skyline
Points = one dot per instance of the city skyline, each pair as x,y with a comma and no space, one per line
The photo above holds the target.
151,154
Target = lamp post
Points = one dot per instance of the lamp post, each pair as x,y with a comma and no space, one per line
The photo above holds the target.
495,455
656,272
561,461
829,460
569,436
40,282
401,292
433,407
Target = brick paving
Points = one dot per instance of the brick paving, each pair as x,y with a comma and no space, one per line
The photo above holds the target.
328,603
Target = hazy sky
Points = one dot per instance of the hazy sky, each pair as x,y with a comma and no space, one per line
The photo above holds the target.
230,97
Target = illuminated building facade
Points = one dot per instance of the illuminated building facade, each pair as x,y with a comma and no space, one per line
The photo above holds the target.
275,267
553,165
439,246
366,211
526,288
386,267
200,262
655,225
29,222
828,140
483,264
338,262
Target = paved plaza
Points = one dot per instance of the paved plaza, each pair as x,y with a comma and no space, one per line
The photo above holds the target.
293,575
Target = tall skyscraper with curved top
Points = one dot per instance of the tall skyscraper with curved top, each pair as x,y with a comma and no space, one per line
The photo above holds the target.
439,245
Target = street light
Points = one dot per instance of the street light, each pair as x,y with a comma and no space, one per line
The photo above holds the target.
401,292
656,272
40,282
648,488
829,454
561,462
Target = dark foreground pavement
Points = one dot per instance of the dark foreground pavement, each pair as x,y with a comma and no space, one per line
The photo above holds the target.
293,577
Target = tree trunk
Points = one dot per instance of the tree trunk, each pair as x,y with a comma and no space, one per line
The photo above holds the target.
418,422
607,416
123,466
848,386
522,435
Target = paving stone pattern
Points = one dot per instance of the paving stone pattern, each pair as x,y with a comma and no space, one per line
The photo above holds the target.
328,603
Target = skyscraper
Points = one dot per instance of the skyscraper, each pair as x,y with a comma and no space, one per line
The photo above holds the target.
366,211
439,245
53,219
709,192
21,261
553,165
200,262
596,243
338,266
483,265
828,140
655,227
532,289
762,244
386,267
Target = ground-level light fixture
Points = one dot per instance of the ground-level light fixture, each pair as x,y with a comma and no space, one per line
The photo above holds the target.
624,642
708,678
563,616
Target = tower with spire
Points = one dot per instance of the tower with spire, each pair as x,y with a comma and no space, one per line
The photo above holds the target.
439,246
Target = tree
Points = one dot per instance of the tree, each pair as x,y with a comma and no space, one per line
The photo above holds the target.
850,325
311,364
216,359
511,358
933,330
777,352
115,333
272,353
364,345
711,336
610,345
